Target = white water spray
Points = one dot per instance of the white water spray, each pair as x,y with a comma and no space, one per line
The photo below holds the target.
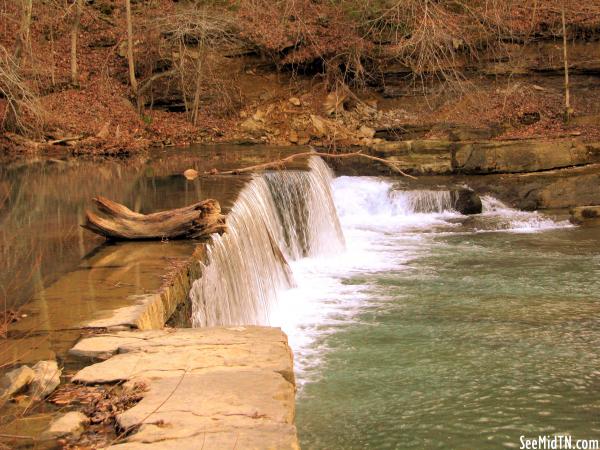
278,216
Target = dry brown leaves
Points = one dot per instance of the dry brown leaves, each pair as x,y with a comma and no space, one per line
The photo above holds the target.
102,404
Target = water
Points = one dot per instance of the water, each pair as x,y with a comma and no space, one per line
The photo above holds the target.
421,328
61,276
438,331
278,216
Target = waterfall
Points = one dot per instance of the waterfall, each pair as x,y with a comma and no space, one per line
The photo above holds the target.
422,201
277,216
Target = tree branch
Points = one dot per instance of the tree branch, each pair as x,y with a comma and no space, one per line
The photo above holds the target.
282,162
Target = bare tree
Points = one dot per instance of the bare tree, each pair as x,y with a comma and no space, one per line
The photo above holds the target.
74,38
23,111
568,109
130,60
22,40
195,33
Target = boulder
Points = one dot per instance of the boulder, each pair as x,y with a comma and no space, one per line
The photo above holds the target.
15,381
585,215
303,138
46,378
190,174
69,424
366,132
334,102
467,202
293,137
319,125
252,125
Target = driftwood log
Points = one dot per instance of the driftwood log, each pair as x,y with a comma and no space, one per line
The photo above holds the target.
120,223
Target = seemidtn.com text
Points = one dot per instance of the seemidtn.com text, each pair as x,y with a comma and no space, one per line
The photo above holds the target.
558,442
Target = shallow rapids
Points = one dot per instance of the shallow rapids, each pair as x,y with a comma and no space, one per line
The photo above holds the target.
412,325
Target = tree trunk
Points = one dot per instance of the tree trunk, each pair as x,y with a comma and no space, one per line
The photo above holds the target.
198,89
74,39
132,79
52,56
568,109
199,220
23,35
22,41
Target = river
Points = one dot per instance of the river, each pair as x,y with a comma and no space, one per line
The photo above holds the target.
435,330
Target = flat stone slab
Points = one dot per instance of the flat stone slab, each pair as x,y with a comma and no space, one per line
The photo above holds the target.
208,388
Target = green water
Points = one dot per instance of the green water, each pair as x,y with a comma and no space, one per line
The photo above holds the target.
478,339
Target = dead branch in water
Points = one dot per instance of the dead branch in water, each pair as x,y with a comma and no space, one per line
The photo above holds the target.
195,221
282,162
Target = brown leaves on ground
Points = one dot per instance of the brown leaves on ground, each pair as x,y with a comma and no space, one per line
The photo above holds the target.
522,108
102,404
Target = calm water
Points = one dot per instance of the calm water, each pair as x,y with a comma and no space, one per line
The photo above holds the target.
434,330
42,203
60,276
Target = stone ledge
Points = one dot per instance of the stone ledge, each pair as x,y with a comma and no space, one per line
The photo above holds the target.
585,215
477,157
208,388
152,311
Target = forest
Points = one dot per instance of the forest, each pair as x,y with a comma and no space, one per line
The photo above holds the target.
108,76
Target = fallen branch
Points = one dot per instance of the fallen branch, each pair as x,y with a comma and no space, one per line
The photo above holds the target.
191,222
65,140
282,162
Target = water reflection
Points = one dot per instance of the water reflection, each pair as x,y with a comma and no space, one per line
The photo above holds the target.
46,257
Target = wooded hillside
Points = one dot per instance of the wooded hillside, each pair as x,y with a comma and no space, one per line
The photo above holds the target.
120,75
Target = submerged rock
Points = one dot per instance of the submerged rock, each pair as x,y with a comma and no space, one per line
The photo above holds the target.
585,215
467,202
190,174
15,381
46,378
69,424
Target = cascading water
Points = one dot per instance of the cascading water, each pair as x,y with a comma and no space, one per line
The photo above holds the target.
307,217
424,201
278,216
413,315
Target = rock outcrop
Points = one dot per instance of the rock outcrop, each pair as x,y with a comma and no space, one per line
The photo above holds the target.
208,388
437,157
564,188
